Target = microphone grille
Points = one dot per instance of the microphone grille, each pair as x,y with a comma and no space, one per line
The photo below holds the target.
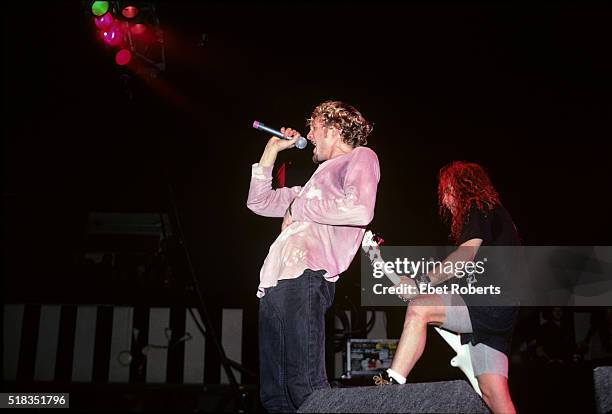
301,143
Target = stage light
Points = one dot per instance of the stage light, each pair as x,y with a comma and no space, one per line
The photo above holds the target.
123,57
112,36
138,29
129,12
104,22
99,8
132,30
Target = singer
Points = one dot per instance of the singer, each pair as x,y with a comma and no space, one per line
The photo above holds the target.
323,225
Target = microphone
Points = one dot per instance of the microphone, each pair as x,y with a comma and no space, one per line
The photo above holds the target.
300,143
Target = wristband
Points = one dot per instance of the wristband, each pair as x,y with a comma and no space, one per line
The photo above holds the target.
422,279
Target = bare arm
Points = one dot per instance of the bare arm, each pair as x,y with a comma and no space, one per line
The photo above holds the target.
466,252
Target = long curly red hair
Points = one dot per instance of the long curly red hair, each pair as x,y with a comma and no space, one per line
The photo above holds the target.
469,185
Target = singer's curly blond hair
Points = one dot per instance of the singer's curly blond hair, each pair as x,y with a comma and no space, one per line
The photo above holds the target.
353,127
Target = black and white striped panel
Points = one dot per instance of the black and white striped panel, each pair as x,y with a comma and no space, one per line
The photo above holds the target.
157,354
90,343
231,339
193,368
121,342
13,322
84,344
46,349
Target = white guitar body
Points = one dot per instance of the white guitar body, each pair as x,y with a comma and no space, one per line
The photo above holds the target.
462,360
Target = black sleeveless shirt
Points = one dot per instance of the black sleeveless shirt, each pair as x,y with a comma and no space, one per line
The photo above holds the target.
491,324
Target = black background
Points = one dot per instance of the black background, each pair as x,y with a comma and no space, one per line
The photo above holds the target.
523,91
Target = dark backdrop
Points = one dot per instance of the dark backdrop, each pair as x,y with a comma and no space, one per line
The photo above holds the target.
523,91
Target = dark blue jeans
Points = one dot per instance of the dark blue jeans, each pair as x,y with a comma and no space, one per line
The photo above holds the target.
292,340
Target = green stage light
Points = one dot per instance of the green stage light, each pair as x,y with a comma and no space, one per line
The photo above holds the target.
98,8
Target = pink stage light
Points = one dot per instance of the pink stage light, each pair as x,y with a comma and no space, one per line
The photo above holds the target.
104,22
112,36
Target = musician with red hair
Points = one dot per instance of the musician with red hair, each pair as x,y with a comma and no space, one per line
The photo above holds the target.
468,200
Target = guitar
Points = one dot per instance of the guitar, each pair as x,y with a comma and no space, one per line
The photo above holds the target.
371,246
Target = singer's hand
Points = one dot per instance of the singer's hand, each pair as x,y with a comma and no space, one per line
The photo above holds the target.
281,144
276,144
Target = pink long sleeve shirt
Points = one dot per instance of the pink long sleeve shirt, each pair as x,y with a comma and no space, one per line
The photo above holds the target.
329,212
